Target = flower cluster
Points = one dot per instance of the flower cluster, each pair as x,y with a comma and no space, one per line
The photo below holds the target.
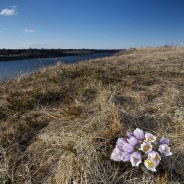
141,147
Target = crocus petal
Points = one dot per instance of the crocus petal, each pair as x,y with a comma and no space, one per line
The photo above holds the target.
120,142
135,159
150,165
128,148
164,140
155,157
164,149
133,141
150,138
125,156
139,134
130,134
116,154
146,147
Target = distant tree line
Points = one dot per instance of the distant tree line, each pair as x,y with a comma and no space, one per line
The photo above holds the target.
52,52
8,52
13,54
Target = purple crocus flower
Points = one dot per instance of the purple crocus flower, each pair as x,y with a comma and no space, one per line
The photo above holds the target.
154,157
146,147
150,138
120,142
164,149
116,154
133,141
130,134
150,165
119,155
139,134
135,159
164,140
125,156
128,148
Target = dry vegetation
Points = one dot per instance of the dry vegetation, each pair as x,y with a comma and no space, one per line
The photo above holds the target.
60,124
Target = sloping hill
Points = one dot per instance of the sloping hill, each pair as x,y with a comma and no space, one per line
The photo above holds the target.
60,124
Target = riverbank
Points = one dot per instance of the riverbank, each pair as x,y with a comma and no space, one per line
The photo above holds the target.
15,68
60,124
22,54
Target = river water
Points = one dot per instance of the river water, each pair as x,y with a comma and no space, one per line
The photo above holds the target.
12,69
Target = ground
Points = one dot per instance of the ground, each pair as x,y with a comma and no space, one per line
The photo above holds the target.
60,124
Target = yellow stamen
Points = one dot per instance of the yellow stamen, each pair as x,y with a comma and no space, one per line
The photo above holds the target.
156,157
146,148
150,163
150,139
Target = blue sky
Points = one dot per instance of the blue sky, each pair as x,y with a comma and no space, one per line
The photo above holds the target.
101,24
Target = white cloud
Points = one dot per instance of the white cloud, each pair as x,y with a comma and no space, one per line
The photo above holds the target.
29,31
8,12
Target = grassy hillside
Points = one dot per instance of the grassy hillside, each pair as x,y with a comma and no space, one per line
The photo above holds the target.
60,124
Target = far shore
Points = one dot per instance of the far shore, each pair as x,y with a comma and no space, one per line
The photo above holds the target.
21,54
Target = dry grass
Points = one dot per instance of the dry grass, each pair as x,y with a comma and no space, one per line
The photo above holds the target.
60,124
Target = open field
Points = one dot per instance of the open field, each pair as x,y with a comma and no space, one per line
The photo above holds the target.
60,124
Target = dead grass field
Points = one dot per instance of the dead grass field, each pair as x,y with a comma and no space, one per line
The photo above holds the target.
60,124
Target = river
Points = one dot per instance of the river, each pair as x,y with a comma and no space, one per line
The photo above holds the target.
12,69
